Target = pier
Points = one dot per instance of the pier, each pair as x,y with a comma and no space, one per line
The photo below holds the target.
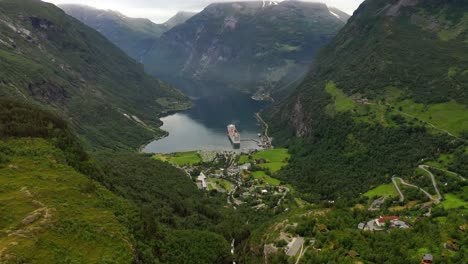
265,140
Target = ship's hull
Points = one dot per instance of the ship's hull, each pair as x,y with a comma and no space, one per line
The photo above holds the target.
235,143
233,136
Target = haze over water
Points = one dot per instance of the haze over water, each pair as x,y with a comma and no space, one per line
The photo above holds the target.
203,127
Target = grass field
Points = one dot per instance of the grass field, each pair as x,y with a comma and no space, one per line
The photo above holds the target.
342,101
180,158
243,159
50,213
261,175
442,162
456,200
382,190
452,201
276,159
222,183
450,116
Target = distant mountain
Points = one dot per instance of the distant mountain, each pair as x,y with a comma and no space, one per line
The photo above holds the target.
52,59
256,47
133,35
179,18
390,91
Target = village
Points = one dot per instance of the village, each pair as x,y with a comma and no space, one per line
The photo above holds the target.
244,177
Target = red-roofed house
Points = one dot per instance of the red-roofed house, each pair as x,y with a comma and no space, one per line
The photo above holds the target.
381,220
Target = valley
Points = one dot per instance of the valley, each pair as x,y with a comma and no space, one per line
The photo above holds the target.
348,135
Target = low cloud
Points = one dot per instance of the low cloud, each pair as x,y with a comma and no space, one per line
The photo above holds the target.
160,11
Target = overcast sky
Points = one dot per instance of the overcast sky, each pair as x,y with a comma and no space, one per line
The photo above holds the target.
161,10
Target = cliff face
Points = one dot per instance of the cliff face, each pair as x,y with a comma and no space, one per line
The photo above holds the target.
256,47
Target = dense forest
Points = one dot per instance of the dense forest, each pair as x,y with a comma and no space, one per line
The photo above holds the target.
175,213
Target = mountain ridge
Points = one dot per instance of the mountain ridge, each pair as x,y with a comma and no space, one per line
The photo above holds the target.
53,60
133,35
217,44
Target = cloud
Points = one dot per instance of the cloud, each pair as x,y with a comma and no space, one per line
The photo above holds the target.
160,11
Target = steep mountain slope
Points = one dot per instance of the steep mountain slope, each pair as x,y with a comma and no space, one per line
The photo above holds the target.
54,60
257,47
178,19
133,35
49,211
54,209
389,91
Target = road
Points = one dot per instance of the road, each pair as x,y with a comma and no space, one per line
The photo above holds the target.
301,253
402,197
414,186
265,125
434,183
451,172
284,195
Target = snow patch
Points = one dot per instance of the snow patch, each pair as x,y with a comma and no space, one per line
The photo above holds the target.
337,16
127,116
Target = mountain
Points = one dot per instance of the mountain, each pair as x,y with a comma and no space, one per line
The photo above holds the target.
52,59
133,35
256,47
389,92
179,18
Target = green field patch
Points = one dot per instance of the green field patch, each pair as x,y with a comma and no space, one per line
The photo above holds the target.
261,175
226,185
180,158
450,116
342,101
243,159
273,155
442,162
274,159
382,190
452,201
273,167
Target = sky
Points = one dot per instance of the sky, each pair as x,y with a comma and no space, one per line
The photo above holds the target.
160,11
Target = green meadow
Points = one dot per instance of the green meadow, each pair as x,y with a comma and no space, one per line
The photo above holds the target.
180,158
261,175
382,190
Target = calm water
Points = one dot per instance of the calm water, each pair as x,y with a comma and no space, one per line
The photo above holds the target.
204,126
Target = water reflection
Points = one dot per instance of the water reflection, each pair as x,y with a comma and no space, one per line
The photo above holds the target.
204,126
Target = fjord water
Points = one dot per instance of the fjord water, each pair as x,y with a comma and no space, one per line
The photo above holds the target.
203,127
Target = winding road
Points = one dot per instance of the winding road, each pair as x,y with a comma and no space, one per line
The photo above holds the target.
451,172
402,198
434,183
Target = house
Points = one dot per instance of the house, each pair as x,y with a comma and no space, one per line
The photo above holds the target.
264,191
245,167
361,226
427,259
381,220
201,182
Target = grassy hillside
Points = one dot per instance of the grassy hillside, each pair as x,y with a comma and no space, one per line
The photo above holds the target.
50,212
52,59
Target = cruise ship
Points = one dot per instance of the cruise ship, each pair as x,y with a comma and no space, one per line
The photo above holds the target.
233,135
